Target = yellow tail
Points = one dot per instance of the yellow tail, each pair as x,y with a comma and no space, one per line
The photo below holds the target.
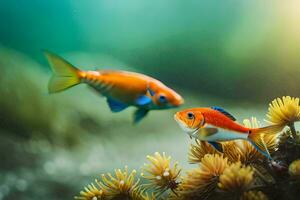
257,134
65,75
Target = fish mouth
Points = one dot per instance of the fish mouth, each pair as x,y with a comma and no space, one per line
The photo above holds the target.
183,125
179,102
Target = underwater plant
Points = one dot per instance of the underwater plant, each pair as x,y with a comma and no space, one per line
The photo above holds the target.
240,172
123,185
286,112
160,174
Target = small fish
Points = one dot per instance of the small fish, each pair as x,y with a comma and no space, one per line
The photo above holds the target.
121,88
215,125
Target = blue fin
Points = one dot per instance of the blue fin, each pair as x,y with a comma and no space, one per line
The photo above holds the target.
116,106
217,146
263,152
139,114
143,100
221,110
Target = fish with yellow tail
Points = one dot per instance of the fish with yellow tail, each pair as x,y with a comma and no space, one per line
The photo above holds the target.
121,88
216,125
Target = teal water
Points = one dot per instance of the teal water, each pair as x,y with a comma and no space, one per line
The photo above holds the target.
234,54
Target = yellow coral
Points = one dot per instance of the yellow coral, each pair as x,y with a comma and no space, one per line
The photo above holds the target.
199,150
91,192
199,182
138,193
121,186
283,111
236,178
232,151
160,173
294,168
249,154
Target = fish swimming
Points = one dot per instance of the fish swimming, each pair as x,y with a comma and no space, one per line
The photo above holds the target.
215,125
121,88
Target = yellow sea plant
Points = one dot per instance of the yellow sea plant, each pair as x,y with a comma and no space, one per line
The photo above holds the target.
199,150
294,168
236,178
201,181
160,173
285,111
91,192
122,185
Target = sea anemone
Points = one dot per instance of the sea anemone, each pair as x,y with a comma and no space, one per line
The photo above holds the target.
199,150
122,186
201,181
294,168
284,111
160,173
91,192
249,154
232,151
253,195
138,193
236,178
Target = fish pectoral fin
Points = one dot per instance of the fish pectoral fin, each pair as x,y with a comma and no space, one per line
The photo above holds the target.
139,114
143,100
207,131
217,146
116,106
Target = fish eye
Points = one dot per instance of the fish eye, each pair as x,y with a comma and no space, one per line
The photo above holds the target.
190,115
162,99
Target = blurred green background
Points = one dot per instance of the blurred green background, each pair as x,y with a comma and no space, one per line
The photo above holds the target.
235,54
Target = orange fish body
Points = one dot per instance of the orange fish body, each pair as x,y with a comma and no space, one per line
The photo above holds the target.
215,125
121,88
128,86
218,119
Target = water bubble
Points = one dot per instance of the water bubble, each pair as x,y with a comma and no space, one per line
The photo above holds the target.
21,185
49,168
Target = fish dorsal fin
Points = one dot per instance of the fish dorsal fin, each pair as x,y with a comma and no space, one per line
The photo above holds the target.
221,110
116,106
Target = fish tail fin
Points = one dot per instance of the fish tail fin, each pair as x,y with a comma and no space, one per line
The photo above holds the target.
256,137
65,75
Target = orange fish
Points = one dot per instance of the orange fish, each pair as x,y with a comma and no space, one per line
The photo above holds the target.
215,125
121,88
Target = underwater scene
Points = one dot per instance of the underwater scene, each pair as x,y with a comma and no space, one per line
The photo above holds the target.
149,100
